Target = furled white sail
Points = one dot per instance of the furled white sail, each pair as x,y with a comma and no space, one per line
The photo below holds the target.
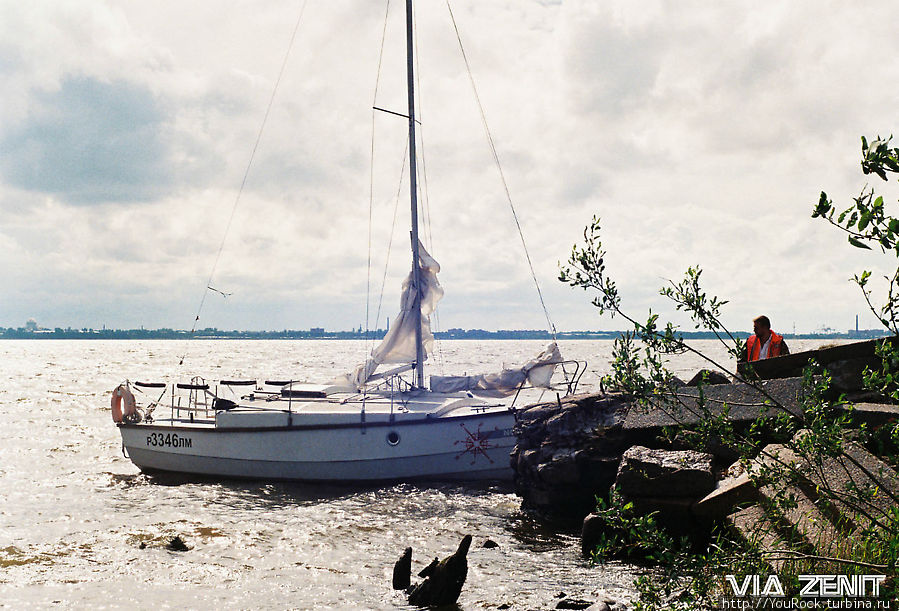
538,372
398,346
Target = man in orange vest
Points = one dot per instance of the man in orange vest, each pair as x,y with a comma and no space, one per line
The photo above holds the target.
765,344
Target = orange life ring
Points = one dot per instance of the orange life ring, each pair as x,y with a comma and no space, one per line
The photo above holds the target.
121,395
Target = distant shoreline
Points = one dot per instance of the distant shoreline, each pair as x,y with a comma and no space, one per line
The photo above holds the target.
321,334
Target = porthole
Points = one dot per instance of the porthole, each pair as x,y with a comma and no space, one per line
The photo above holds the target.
393,438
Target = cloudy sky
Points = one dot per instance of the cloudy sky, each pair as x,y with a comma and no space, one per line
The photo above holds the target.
700,132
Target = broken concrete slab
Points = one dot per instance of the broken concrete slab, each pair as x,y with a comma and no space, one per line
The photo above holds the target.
728,493
845,363
645,472
743,403
786,473
875,414
777,460
754,527
876,469
568,451
861,488
799,511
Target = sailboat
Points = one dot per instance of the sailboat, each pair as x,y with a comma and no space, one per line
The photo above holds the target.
363,426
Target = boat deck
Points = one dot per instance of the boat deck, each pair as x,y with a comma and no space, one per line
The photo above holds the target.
275,411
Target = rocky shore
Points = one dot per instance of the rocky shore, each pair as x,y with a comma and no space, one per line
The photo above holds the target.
571,451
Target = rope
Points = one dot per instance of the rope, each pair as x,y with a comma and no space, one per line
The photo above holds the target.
552,327
246,174
371,186
396,205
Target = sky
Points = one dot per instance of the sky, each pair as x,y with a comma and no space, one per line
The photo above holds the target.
700,133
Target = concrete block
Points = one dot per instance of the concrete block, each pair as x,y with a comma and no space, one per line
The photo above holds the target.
728,493
645,472
754,527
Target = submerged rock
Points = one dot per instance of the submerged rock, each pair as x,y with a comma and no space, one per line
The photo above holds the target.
573,603
593,529
177,545
444,583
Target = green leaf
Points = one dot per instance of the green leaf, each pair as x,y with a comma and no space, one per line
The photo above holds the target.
823,207
858,243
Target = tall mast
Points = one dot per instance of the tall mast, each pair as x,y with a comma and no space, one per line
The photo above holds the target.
413,187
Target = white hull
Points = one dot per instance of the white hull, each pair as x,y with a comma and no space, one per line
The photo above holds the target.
415,447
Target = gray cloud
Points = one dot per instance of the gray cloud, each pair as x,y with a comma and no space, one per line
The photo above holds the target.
90,142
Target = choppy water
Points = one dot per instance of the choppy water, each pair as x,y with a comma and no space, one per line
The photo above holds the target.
74,512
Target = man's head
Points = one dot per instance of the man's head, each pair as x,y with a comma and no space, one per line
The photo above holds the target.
762,327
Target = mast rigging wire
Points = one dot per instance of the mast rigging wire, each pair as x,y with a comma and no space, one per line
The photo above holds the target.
552,327
371,186
396,205
425,201
246,174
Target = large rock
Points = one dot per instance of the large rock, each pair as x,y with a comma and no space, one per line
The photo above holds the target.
443,584
665,473
567,453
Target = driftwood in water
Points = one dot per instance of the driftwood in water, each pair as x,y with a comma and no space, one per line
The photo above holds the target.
402,571
426,572
444,581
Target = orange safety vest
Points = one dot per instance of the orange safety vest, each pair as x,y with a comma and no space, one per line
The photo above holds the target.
754,346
